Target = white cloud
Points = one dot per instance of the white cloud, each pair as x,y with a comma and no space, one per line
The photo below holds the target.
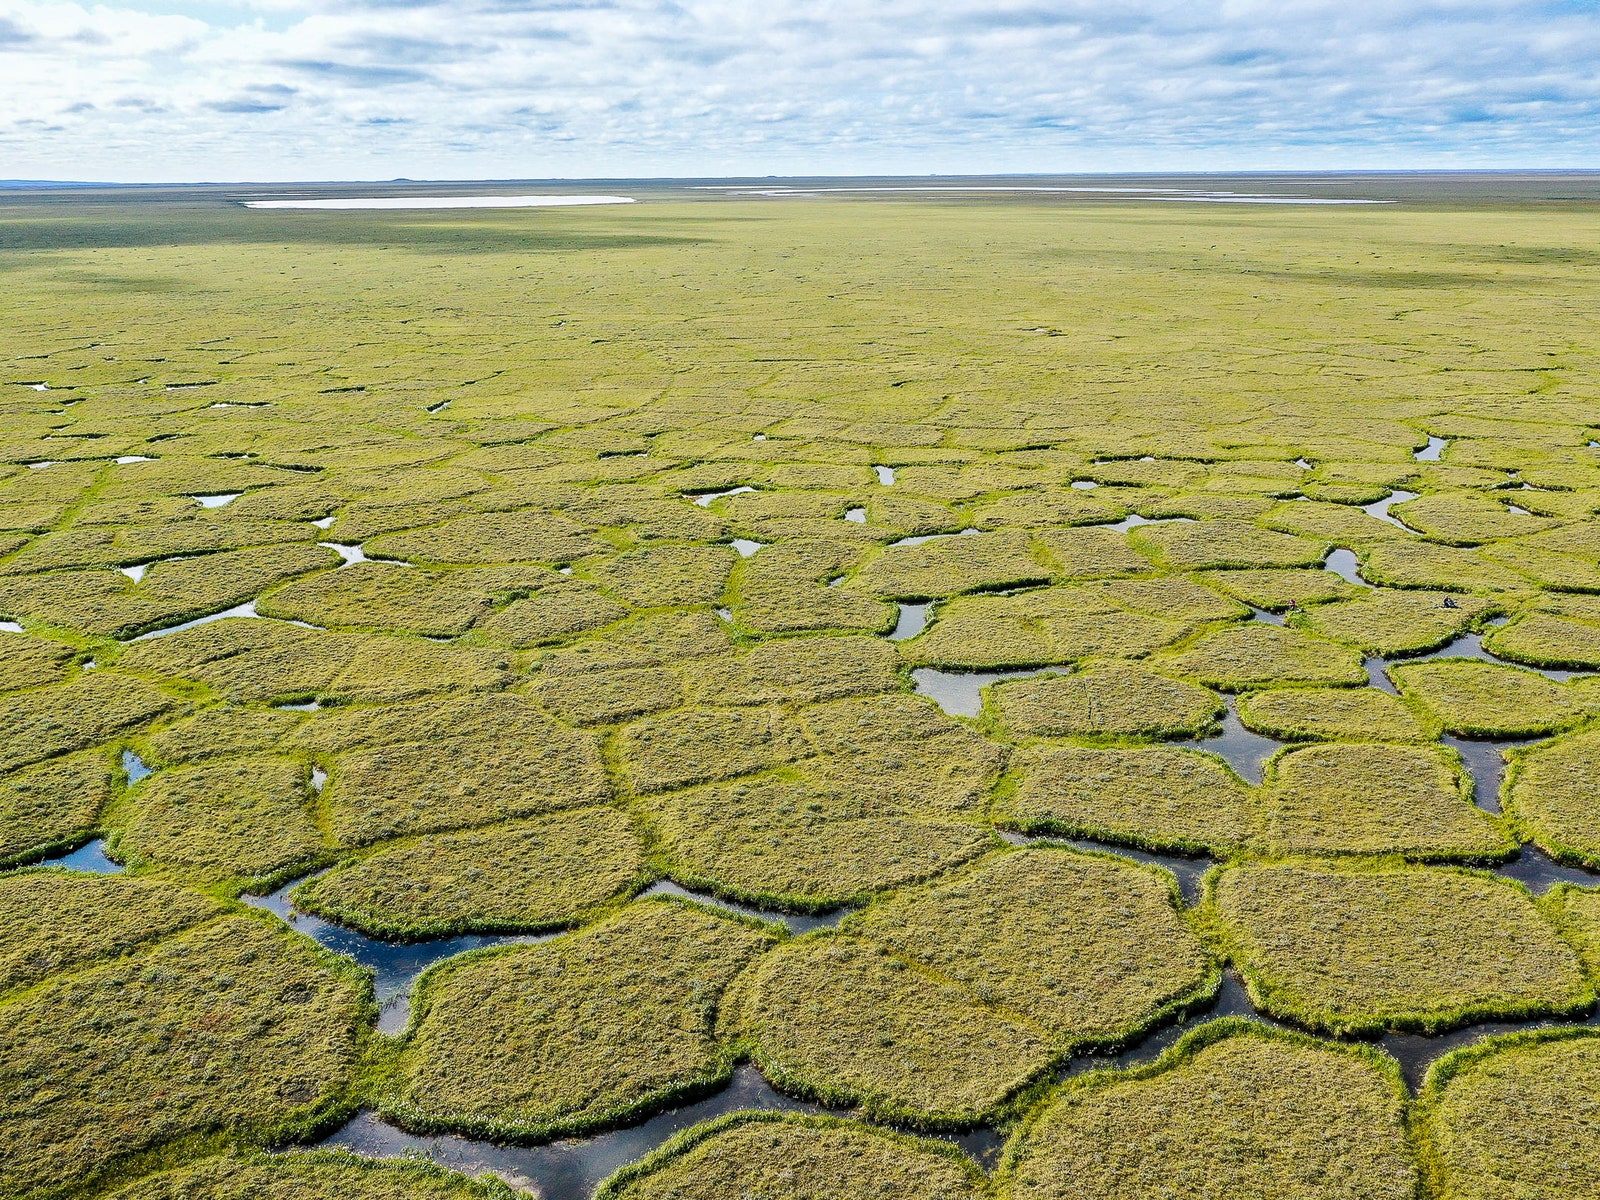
264,89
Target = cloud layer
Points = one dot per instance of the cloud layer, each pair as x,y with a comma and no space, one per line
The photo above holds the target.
297,89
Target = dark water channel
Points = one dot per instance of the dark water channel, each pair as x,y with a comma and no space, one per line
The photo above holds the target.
572,1169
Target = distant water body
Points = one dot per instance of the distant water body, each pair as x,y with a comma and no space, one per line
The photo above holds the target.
442,202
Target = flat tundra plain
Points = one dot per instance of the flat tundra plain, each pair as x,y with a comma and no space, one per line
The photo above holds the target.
1020,697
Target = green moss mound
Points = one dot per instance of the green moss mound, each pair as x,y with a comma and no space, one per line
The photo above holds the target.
1514,1116
1234,1109
1113,700
248,817
1387,622
588,1029
1474,698
768,1156
1354,714
1351,951
52,805
1366,798
520,876
1159,797
57,920
795,843
319,1175
234,1025
1549,793
1260,655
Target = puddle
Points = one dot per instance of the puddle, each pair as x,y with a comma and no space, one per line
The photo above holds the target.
913,620
218,500
704,499
350,554
134,767
1521,512
746,547
38,387
132,458
885,475
319,779
796,923
395,965
1303,464
1380,508
837,580
726,614
859,516
1267,618
308,706
1084,485
920,539
1244,750
1134,520
960,693
11,627
1346,566
235,404
563,570
136,572
439,407
760,437
325,522
39,466
1431,452
89,857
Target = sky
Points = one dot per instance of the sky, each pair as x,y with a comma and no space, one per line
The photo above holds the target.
234,90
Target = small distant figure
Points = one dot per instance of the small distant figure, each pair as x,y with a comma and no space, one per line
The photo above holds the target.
1450,602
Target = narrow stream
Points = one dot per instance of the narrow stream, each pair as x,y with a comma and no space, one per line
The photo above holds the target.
1380,508
885,475
1244,750
1431,452
960,693
912,621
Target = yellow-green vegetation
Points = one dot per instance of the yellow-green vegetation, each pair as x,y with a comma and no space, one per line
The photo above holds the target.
1113,700
1038,627
1576,912
692,746
618,587
798,844
587,1029
1360,949
244,660
319,1175
1158,797
767,1154
530,875
1310,714
248,816
233,1025
57,920
1234,1109
1260,655
1474,698
1085,946
52,805
1278,590
1365,798
1550,794
1195,545
46,721
1387,622
902,752
1514,1116
842,1019
1547,641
